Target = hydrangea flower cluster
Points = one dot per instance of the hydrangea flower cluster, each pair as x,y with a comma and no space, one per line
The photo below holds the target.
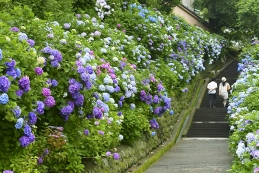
55,56
102,8
42,156
28,136
99,81
4,84
243,116
24,85
11,70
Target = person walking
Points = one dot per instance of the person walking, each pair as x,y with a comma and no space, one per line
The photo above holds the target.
212,87
223,90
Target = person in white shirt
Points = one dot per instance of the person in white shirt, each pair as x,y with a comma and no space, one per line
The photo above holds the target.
212,88
223,90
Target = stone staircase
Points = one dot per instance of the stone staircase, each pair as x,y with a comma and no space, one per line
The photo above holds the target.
211,122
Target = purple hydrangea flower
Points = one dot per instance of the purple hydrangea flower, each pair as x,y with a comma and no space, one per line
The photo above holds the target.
79,100
80,69
27,130
46,92
24,83
71,103
15,29
54,83
97,113
50,101
116,156
84,76
160,87
73,88
86,132
88,85
158,110
8,171
40,107
38,71
100,132
66,111
67,25
156,99
32,118
40,161
17,111
54,63
10,65
117,89
46,152
31,137
24,141
31,42
108,153
4,84
89,69
11,72
143,95
154,123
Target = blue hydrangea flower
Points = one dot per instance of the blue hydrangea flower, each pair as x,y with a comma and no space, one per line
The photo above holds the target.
4,84
17,111
101,87
24,141
1,54
153,133
171,112
106,97
22,36
19,123
18,72
4,99
54,83
27,130
110,89
32,118
132,106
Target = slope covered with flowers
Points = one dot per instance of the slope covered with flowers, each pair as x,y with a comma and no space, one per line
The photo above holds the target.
243,113
78,88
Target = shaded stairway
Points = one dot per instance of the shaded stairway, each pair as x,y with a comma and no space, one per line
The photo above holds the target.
212,122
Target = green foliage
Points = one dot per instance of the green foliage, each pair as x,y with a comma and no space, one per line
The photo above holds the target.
219,13
41,7
162,5
248,16
133,123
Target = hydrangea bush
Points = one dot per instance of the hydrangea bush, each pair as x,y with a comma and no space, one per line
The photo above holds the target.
79,88
243,114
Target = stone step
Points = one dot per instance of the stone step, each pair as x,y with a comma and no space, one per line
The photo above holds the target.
209,129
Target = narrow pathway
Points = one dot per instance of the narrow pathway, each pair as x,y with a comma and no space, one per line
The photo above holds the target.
194,155
204,149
